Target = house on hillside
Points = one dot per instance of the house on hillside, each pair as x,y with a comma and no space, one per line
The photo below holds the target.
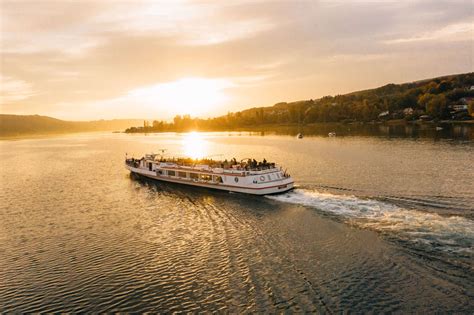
384,115
459,107
408,111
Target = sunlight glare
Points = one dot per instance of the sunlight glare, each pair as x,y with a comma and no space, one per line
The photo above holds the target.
194,145
194,96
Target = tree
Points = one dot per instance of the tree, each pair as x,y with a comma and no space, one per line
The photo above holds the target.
407,100
424,99
456,94
177,119
158,125
260,116
444,86
470,108
436,106
365,110
431,88
385,104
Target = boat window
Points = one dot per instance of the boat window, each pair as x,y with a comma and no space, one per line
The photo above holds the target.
236,179
182,174
171,173
194,175
205,177
160,172
269,177
218,179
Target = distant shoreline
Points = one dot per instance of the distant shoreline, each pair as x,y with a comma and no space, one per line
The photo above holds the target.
46,135
397,122
425,129
21,126
259,128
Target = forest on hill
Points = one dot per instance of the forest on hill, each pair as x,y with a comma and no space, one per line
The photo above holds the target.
19,125
443,98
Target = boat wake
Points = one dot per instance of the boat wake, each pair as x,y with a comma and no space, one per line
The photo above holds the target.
450,234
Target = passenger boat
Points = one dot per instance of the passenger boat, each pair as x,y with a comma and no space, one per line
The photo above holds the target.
247,176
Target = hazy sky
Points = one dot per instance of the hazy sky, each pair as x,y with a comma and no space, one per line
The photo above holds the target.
87,59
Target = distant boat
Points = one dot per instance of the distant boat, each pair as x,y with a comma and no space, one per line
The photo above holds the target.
299,136
439,128
243,177
331,134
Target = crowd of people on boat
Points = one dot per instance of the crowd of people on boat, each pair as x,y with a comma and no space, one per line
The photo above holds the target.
245,164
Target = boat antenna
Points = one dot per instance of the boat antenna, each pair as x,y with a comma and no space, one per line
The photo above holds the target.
162,152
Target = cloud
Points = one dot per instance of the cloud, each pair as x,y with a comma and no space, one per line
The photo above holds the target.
74,28
454,32
14,90
38,26
355,58
230,31
188,23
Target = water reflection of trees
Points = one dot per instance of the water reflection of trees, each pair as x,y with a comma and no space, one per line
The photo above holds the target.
448,131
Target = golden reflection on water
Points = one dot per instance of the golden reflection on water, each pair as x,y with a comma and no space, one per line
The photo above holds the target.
195,146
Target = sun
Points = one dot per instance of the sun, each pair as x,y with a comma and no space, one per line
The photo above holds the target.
194,96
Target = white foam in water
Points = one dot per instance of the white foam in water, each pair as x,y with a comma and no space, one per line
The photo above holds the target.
455,234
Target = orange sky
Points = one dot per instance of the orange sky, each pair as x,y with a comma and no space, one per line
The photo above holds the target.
89,59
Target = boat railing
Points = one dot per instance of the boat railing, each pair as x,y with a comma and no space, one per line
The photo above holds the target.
168,164
237,169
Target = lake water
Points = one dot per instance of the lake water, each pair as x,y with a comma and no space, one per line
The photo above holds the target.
375,224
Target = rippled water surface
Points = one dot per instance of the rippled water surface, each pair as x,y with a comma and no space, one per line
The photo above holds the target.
376,224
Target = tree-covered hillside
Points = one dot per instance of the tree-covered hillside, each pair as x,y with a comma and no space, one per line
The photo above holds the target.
448,97
19,125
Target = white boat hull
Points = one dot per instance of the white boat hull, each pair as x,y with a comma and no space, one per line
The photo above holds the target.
268,188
